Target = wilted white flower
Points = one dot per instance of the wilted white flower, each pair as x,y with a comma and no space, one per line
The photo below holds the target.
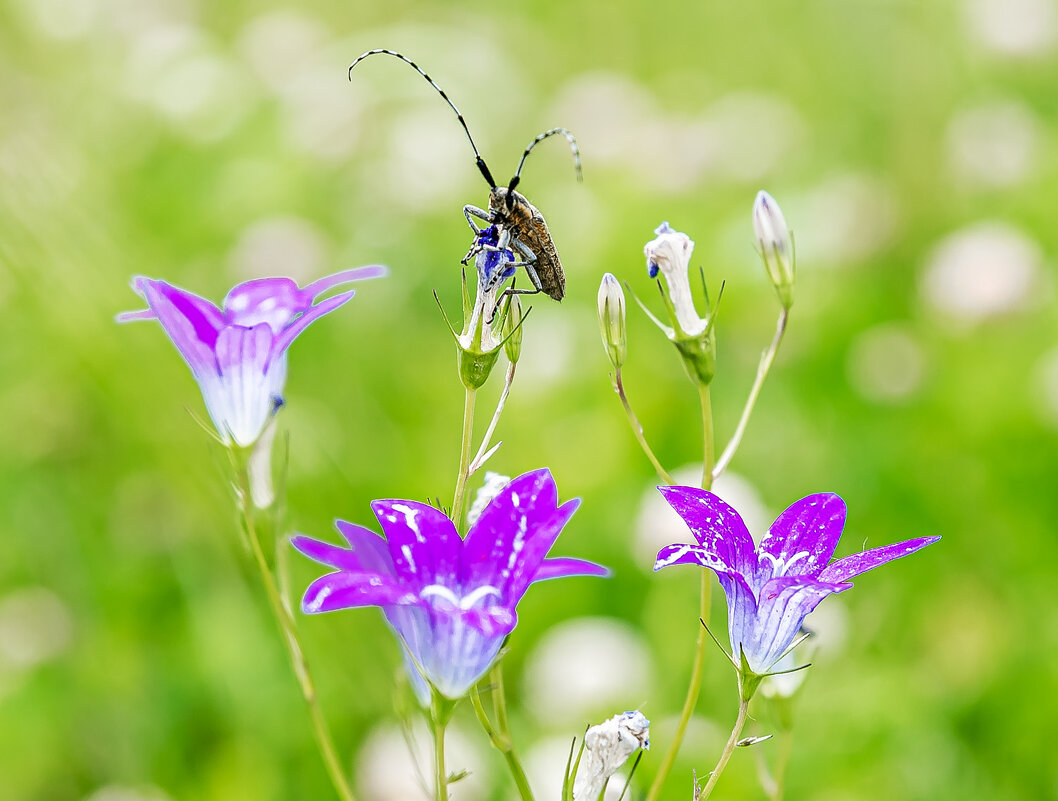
607,747
670,254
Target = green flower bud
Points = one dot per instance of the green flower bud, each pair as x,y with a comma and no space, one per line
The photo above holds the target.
512,329
776,245
612,320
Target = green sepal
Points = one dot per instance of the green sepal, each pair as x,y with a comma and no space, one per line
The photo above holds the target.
748,680
445,315
699,356
475,367
441,707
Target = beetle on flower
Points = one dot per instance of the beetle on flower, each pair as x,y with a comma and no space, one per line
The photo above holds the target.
450,601
772,587
238,353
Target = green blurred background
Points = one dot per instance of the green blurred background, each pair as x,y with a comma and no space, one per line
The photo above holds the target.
911,146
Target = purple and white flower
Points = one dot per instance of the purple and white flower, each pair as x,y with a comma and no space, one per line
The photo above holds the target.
772,587
450,601
238,353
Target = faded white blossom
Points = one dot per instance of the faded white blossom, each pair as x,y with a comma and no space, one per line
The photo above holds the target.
670,254
607,747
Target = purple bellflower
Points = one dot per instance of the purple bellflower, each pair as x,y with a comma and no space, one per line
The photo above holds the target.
772,587
238,353
450,601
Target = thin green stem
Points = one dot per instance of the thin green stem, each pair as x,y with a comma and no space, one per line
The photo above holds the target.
740,721
484,452
705,593
708,445
501,741
288,629
499,700
464,458
440,775
693,690
766,360
637,428
781,764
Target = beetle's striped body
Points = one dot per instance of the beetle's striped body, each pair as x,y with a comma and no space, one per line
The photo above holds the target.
519,224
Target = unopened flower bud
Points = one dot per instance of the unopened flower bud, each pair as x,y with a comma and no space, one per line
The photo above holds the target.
606,748
776,245
612,320
512,329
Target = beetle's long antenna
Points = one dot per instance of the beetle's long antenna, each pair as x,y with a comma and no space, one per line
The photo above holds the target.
572,146
480,161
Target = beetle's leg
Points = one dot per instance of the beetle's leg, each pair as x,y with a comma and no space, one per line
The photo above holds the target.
478,248
470,212
473,211
530,260
474,250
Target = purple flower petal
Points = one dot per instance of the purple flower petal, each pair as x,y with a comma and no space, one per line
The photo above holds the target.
423,542
192,323
276,301
802,540
292,331
321,285
527,553
523,506
325,553
563,566
493,621
133,316
344,589
844,569
781,609
370,548
717,527
687,554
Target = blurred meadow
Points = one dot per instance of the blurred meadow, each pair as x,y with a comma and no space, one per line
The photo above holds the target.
913,149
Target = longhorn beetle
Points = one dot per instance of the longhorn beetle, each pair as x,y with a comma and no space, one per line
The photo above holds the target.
518,223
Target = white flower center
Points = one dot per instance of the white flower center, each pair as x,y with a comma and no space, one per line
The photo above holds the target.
464,602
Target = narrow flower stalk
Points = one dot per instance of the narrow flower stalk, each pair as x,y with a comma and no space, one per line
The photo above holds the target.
637,428
766,360
440,714
694,687
287,627
708,446
499,735
729,748
459,499
485,450
773,784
